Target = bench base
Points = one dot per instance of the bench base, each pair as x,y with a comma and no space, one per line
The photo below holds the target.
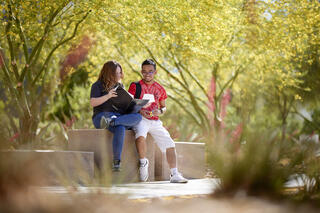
51,167
99,141
190,161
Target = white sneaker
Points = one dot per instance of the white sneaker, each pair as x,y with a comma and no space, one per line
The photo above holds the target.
143,171
177,178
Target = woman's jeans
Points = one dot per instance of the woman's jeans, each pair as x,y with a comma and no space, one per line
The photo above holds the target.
121,123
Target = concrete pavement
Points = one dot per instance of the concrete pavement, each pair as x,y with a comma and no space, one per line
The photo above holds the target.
145,190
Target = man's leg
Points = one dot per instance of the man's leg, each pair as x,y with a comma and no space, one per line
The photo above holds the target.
141,147
171,157
176,177
165,143
141,131
143,161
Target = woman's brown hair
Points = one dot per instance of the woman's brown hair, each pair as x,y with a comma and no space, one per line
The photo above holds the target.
108,74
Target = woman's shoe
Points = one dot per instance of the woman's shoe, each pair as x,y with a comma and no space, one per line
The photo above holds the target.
116,166
105,122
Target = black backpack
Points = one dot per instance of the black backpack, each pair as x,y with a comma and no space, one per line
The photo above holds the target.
138,89
136,96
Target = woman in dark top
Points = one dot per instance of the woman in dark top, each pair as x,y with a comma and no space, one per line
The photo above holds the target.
105,114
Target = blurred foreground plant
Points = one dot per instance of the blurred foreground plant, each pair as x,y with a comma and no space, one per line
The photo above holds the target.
309,174
21,192
261,164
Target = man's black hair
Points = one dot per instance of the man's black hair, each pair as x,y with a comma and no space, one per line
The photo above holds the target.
149,62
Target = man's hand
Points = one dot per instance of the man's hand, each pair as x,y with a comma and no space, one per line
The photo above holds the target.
149,114
146,114
156,112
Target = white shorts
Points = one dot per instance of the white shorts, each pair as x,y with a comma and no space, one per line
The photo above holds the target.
157,131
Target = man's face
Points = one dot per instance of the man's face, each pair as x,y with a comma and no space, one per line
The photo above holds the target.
148,72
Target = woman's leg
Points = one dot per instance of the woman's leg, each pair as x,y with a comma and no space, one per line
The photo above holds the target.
117,142
128,120
97,118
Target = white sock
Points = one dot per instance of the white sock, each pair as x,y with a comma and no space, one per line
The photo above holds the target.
174,171
143,161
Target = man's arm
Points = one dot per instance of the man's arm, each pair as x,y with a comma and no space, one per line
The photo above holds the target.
162,103
162,109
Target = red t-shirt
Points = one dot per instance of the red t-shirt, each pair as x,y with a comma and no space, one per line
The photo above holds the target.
156,90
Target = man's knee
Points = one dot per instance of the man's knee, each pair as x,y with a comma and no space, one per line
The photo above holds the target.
166,146
171,150
140,139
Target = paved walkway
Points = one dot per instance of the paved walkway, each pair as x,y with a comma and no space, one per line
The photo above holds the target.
156,189
147,189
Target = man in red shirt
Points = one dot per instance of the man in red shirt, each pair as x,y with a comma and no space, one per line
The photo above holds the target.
151,124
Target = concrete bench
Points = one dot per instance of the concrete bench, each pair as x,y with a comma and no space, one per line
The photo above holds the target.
190,160
51,167
99,141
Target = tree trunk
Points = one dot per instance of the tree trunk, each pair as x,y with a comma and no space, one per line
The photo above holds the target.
28,127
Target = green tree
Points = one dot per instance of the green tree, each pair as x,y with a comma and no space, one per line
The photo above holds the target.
34,32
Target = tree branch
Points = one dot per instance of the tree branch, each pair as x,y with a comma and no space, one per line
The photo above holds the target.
9,82
57,46
195,104
230,81
192,102
126,60
36,51
194,78
149,51
185,109
61,14
11,50
313,124
12,124
23,39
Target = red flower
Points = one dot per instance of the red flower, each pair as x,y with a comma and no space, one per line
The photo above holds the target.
15,136
236,132
75,56
224,103
211,104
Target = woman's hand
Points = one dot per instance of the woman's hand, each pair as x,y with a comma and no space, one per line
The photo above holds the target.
111,94
98,101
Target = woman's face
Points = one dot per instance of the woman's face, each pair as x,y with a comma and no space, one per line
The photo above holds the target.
118,74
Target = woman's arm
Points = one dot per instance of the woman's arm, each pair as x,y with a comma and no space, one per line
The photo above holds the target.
100,100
